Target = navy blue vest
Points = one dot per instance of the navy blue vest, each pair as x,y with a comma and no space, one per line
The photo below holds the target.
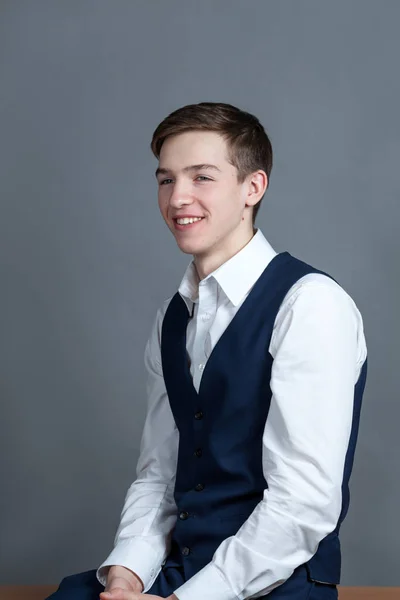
219,478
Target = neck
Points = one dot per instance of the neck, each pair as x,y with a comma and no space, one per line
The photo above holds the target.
209,263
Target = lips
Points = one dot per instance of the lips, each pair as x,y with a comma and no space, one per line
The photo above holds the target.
189,225
188,217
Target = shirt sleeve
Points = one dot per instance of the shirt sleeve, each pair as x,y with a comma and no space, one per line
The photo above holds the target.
142,540
318,349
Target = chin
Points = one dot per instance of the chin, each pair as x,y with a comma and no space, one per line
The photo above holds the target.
190,247
186,250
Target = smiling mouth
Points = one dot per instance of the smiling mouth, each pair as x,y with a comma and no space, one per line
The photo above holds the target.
187,220
187,223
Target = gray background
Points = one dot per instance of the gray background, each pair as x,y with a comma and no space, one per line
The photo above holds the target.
86,259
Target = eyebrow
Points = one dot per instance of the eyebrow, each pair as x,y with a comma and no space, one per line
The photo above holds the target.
161,171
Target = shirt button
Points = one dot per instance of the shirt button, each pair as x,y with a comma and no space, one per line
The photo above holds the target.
199,487
198,415
205,317
198,452
185,551
183,515
201,367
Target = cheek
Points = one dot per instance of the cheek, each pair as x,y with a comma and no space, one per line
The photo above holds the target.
212,197
229,203
162,204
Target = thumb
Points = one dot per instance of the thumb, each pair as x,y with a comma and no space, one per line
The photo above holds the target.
118,593
115,594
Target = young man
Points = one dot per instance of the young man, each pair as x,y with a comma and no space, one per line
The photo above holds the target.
256,370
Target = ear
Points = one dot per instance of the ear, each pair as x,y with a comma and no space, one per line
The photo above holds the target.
257,184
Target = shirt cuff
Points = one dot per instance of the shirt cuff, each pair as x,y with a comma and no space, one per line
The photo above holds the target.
208,583
138,556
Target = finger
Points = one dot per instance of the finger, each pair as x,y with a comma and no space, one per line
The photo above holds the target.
115,594
120,594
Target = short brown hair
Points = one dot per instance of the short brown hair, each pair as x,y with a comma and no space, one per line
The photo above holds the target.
248,144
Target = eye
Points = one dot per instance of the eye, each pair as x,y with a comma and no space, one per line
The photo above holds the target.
203,178
164,181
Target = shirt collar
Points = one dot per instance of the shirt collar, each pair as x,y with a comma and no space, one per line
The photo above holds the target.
236,276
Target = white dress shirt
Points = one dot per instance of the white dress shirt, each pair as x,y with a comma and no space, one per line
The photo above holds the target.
318,347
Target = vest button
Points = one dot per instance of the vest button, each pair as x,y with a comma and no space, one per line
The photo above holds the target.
199,487
183,515
198,452
198,415
185,551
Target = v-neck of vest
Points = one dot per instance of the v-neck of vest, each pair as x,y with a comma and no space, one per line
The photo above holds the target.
269,271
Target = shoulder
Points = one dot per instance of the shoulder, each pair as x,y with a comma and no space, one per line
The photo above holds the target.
152,353
158,321
317,290
316,306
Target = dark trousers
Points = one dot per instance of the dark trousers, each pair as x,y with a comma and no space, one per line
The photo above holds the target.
84,586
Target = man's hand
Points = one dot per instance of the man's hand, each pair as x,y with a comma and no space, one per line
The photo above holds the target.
123,584
121,579
120,594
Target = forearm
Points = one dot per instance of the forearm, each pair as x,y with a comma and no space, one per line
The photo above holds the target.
149,513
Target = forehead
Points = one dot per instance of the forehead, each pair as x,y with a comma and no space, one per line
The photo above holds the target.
194,147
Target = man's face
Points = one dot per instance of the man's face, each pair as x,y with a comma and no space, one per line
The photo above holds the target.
212,193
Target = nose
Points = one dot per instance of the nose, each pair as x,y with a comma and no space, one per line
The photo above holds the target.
180,196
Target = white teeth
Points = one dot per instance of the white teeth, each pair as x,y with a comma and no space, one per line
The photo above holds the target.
186,220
